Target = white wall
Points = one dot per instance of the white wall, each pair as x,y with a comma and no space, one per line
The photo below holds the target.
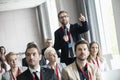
17,28
6,5
71,7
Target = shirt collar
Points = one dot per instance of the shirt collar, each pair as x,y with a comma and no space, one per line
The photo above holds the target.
68,26
32,70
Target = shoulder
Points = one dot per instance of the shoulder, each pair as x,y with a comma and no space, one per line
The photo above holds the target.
63,64
91,66
58,30
6,73
46,69
22,69
70,67
23,75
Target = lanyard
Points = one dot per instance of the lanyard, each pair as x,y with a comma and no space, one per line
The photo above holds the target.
57,72
13,77
85,73
96,62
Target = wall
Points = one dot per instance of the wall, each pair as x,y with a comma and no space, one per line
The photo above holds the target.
17,28
116,13
71,7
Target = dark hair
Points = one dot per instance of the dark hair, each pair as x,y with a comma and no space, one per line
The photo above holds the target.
3,48
32,45
81,42
61,13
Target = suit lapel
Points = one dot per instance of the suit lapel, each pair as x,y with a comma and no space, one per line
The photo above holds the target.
75,71
29,75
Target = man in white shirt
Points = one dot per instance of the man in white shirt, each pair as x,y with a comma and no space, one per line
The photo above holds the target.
35,71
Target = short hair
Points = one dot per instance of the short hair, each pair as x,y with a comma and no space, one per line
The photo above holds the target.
7,57
61,13
48,50
82,42
3,48
32,45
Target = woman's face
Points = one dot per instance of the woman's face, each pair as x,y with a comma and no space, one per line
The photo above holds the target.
94,49
52,56
13,61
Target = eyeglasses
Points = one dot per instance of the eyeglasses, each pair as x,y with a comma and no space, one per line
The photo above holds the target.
61,17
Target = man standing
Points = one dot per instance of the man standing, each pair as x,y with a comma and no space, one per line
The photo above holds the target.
81,69
67,35
48,43
35,71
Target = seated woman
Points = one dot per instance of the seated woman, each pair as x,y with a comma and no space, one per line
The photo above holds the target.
51,56
1,71
15,70
2,59
96,57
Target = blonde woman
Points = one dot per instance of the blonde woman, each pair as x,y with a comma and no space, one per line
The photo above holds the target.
15,70
51,56
95,57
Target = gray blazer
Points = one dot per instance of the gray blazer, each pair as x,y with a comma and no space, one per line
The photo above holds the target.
7,75
60,67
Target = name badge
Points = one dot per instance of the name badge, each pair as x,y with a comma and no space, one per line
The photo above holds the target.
69,45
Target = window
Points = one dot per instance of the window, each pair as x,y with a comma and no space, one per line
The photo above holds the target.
106,26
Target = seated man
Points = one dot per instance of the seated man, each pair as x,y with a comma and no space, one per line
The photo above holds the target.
35,71
80,69
41,62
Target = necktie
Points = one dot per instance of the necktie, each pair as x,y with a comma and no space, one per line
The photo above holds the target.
35,74
66,32
71,53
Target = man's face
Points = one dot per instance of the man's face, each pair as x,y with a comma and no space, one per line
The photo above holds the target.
82,52
48,43
33,57
63,18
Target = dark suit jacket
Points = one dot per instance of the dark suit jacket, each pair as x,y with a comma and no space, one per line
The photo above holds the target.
75,31
47,74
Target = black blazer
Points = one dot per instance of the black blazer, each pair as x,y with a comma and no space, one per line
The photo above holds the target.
47,74
75,31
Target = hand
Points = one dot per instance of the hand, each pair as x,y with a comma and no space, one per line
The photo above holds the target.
65,37
82,18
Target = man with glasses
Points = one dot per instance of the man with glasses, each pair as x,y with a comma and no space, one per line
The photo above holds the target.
67,35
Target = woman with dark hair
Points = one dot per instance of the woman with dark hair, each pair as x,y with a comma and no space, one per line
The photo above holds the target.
2,58
95,57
